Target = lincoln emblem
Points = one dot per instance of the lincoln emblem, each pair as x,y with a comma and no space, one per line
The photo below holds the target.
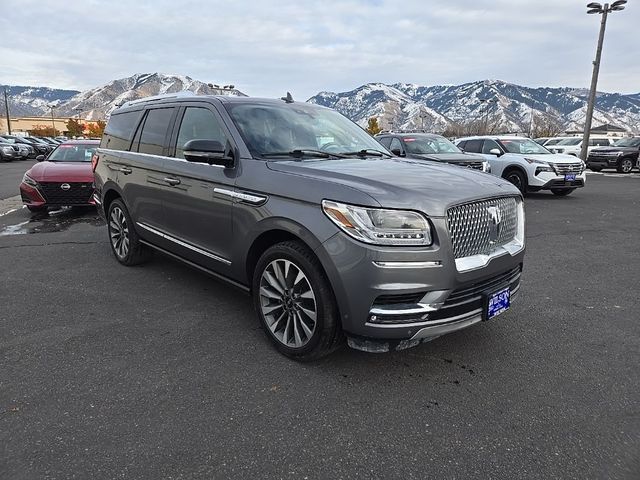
495,224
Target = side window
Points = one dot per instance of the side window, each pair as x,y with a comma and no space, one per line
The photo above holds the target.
154,131
119,130
386,141
198,123
490,145
395,145
461,144
474,146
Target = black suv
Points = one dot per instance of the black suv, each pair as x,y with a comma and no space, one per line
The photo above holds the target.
298,205
622,155
429,146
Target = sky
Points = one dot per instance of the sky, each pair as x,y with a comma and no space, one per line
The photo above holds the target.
266,48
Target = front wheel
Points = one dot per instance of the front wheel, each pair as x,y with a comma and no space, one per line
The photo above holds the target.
562,192
295,303
518,179
124,240
625,165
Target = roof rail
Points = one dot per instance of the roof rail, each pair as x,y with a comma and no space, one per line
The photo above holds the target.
164,96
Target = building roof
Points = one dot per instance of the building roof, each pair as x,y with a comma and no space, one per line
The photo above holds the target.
607,127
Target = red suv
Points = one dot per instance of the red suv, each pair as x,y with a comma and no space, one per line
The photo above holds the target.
64,178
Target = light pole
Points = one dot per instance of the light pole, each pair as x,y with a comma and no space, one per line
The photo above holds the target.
53,123
486,102
595,7
6,106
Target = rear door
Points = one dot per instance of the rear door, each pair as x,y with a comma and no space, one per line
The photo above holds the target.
140,171
198,205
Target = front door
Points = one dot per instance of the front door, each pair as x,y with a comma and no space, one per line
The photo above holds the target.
197,208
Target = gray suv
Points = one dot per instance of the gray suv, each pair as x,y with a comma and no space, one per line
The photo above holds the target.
331,235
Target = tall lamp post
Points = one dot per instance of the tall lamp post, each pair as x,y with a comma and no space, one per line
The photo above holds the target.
6,106
53,123
486,102
595,7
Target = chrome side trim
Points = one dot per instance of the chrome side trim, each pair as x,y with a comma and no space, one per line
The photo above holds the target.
404,309
245,197
432,264
182,243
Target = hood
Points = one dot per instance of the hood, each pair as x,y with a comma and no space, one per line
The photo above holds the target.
554,157
61,172
448,157
614,149
403,183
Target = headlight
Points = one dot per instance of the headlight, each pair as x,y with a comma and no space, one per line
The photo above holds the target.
29,181
7,149
379,226
541,165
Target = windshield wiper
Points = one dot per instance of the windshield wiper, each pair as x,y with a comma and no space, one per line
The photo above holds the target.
367,152
304,152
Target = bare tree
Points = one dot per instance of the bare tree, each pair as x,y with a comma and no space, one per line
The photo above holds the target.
545,125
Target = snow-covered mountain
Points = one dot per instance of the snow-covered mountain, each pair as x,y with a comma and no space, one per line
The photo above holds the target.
32,101
98,103
409,106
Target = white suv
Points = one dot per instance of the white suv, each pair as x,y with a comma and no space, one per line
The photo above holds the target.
526,164
572,145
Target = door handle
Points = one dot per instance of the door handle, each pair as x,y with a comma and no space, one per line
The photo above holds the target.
125,170
171,181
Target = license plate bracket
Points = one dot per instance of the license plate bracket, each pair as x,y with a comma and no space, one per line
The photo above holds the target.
497,302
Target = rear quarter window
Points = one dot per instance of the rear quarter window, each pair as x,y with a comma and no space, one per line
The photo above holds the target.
119,130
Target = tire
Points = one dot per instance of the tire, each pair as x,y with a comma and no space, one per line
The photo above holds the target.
36,209
595,169
289,289
123,238
562,192
517,178
625,165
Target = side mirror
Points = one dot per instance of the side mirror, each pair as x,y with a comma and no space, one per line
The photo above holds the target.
207,151
495,151
397,152
40,158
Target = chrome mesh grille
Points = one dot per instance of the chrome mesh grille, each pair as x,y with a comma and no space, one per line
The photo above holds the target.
473,231
564,168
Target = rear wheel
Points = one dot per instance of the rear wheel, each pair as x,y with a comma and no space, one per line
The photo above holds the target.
295,303
124,240
562,192
517,178
625,165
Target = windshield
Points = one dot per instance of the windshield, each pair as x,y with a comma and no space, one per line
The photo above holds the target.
73,153
429,144
570,141
553,141
522,145
628,142
273,130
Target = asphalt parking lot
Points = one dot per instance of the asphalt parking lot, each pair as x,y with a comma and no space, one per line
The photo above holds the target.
161,372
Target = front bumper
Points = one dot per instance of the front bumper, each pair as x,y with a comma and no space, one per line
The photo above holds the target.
401,295
549,180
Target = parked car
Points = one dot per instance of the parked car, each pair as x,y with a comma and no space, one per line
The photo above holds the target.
31,149
622,155
572,145
526,164
12,151
41,147
424,146
65,178
299,206
552,141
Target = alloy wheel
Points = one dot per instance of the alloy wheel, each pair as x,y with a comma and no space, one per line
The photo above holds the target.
119,232
288,303
626,165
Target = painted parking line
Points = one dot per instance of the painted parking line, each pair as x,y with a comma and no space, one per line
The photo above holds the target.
615,175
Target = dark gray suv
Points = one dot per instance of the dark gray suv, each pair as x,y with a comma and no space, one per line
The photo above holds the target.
292,202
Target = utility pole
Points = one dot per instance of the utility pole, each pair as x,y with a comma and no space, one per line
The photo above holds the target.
53,123
531,123
6,106
595,7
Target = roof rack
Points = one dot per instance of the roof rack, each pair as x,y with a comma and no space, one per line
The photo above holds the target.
164,96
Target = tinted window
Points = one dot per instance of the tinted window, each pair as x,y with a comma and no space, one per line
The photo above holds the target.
386,141
474,146
461,144
395,145
154,131
489,145
119,130
198,123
